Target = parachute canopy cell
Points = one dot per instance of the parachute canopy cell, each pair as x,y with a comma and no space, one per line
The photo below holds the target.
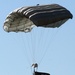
25,18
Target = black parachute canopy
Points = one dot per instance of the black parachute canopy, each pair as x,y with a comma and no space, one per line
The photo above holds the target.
25,18
47,14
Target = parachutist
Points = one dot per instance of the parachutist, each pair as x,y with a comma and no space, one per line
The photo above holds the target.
35,66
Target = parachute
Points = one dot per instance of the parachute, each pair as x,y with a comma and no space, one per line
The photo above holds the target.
24,19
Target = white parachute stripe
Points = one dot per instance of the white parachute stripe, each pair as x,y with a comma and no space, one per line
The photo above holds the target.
40,8
42,12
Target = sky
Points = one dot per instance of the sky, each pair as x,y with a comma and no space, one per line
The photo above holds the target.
52,49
